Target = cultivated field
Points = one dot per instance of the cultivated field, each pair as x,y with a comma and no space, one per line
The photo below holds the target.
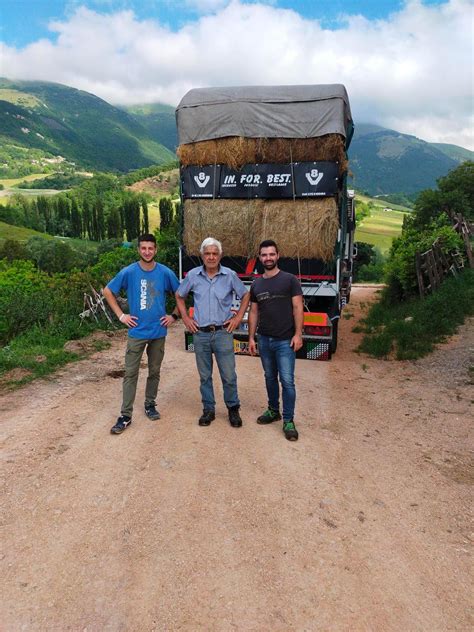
380,228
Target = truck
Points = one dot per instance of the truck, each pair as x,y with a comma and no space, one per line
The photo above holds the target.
270,162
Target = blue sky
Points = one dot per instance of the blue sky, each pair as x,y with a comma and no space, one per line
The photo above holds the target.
24,21
407,64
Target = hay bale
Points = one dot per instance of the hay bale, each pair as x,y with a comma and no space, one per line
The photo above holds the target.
236,151
304,229
232,222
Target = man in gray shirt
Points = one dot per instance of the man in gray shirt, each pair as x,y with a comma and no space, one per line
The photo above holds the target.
213,322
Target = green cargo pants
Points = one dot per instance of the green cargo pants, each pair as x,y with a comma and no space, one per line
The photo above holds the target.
155,350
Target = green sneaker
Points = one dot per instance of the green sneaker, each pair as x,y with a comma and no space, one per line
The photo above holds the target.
268,416
289,430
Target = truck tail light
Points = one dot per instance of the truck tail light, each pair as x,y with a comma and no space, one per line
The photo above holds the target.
317,330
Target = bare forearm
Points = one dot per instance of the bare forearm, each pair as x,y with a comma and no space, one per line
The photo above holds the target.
126,319
298,315
189,323
181,305
253,320
112,301
298,318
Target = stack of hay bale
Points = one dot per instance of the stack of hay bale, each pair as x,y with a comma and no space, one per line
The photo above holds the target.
240,126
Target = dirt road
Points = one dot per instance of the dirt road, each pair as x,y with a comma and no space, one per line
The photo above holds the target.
363,524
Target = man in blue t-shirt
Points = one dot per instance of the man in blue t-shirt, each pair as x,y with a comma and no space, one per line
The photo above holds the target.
146,283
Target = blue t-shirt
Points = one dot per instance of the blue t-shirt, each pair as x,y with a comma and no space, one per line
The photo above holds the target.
146,294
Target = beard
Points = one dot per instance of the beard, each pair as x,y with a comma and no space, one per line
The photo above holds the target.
270,265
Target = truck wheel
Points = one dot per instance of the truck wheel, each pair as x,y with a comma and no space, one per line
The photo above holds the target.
335,324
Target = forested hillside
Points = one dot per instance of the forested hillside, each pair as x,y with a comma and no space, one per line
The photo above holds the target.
58,120
159,121
385,161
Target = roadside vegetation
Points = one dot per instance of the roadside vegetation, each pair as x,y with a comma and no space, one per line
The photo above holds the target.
402,324
40,307
74,242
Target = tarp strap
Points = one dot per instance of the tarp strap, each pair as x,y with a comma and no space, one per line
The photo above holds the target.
294,200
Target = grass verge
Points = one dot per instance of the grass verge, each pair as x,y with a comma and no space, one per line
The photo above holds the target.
40,351
411,330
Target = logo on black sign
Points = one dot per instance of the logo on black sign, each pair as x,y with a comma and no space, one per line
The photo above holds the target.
201,179
314,176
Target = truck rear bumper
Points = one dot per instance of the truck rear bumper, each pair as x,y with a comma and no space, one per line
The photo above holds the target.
313,348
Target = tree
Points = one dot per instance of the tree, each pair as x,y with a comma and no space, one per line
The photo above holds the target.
131,214
460,181
76,220
62,213
99,208
45,211
87,219
166,212
429,222
455,194
114,224
145,225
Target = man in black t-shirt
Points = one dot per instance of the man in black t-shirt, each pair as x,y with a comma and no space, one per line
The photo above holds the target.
276,312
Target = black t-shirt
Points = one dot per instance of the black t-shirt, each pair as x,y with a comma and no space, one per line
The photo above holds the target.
275,307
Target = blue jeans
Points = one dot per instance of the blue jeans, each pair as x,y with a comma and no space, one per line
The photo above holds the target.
278,361
221,345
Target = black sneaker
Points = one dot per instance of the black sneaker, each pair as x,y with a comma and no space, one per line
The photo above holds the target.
234,417
269,416
206,417
122,422
151,412
289,430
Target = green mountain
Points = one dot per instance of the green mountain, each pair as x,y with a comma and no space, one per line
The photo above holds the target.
77,125
159,121
38,118
384,161
453,151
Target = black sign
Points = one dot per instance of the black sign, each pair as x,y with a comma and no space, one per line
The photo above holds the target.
268,181
256,181
200,182
316,179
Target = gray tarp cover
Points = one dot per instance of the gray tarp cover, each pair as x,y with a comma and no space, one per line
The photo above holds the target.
263,112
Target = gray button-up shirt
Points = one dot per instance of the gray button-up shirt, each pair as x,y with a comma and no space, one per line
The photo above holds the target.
212,297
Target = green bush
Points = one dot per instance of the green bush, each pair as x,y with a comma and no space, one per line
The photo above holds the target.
25,297
13,250
110,263
401,265
371,273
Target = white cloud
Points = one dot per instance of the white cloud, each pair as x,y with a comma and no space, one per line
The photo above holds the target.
412,71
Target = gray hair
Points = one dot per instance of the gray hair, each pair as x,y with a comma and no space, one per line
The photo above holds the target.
210,241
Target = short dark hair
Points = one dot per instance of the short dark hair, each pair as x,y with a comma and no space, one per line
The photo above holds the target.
147,237
267,243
